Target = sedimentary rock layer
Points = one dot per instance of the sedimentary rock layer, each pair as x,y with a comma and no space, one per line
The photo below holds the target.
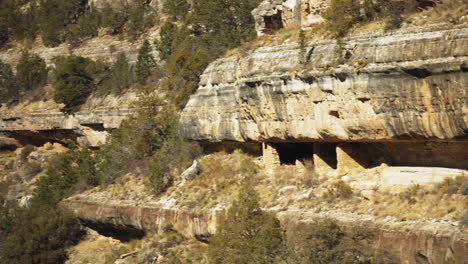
88,127
405,242
405,84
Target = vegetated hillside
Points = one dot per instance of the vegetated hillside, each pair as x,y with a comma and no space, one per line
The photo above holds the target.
142,163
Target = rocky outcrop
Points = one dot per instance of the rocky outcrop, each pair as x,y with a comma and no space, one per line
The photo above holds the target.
45,123
402,241
407,84
150,217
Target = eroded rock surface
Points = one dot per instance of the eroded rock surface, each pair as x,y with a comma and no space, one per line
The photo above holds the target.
45,123
403,241
407,84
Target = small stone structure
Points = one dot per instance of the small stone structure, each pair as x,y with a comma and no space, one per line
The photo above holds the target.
272,15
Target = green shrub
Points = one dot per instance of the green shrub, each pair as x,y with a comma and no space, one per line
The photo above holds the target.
339,190
139,19
26,151
73,82
114,18
223,24
246,234
55,16
31,71
174,154
8,83
145,63
86,27
9,14
325,242
177,9
40,237
183,70
69,172
341,16
168,40
118,77
154,123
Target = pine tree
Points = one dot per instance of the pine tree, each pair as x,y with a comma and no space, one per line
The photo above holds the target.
168,40
145,63
74,82
8,85
120,76
178,9
31,71
246,234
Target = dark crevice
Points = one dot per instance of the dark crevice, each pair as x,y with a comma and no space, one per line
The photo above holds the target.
348,55
123,233
253,84
421,258
334,113
285,80
328,91
308,79
96,127
341,76
418,73
364,99
309,55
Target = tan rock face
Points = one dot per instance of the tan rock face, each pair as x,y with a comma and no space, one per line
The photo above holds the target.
405,241
408,84
88,127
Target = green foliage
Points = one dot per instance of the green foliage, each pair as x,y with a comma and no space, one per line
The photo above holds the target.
31,71
166,159
224,24
114,19
55,16
119,77
177,9
246,234
73,81
341,16
145,63
8,83
325,242
183,71
26,151
86,27
9,14
139,20
69,172
169,35
302,47
126,146
40,237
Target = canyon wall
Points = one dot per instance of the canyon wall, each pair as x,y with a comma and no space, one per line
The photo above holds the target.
403,85
405,241
41,122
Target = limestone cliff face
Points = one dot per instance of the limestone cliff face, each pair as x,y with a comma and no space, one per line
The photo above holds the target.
41,122
405,241
406,84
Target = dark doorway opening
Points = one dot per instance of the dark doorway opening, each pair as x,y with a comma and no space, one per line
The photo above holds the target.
327,153
273,23
290,152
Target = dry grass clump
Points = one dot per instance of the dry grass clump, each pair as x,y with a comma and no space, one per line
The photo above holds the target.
452,11
447,200
168,247
219,181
